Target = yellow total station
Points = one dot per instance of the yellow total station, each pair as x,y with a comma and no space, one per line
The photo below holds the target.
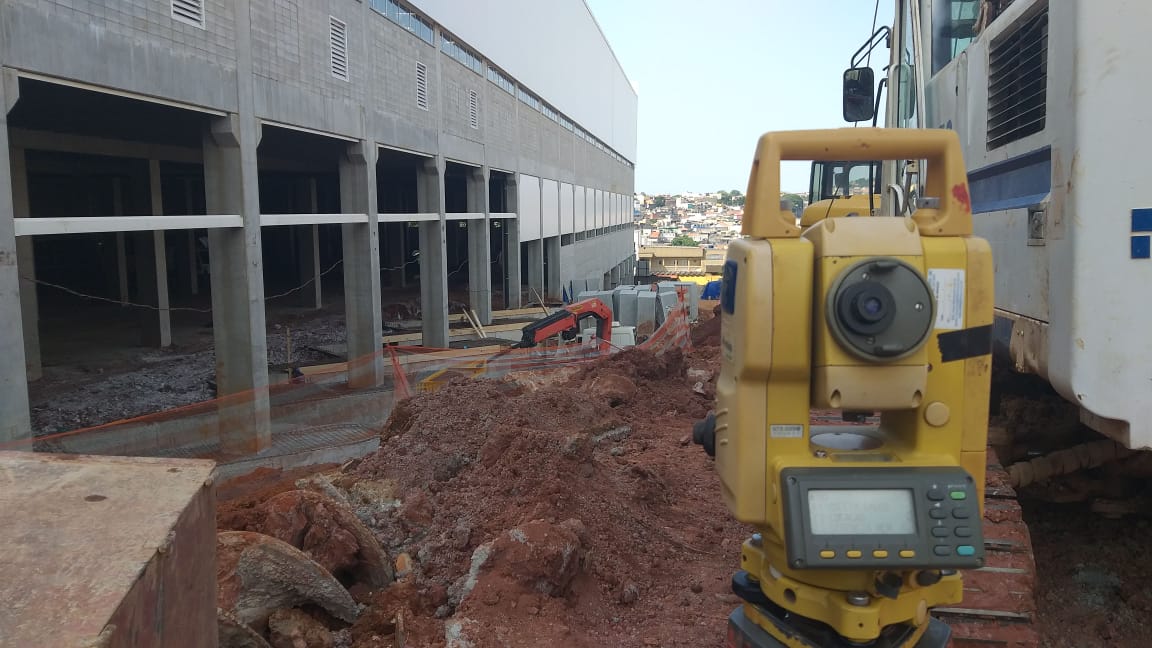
862,528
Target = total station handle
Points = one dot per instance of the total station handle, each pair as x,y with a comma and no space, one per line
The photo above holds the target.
947,179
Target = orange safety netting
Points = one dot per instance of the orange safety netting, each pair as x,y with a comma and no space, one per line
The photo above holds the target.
322,409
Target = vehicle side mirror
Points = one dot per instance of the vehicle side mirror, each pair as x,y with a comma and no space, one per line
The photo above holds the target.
859,94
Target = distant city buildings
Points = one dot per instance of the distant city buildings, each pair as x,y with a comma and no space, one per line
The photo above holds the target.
685,236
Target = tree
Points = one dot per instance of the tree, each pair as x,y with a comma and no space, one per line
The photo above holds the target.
658,201
684,241
731,198
796,200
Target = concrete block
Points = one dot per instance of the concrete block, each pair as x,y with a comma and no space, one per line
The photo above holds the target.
645,313
626,312
107,517
603,295
667,301
693,297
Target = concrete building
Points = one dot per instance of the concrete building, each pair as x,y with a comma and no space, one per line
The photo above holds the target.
671,260
196,156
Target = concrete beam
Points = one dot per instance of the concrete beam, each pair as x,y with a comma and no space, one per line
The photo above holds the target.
409,218
15,420
68,143
479,247
433,255
362,266
231,186
95,224
276,220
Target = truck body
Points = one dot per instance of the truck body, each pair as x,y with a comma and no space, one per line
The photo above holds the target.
1047,100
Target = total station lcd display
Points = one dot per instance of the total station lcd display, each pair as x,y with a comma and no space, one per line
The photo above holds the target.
861,512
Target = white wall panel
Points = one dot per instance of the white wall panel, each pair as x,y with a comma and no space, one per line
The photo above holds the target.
529,200
567,218
599,220
555,49
550,192
581,209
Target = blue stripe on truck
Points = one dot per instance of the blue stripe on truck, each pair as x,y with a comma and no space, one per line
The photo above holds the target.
1017,182
1142,220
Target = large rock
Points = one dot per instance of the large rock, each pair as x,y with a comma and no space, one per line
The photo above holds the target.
613,387
258,574
330,533
541,556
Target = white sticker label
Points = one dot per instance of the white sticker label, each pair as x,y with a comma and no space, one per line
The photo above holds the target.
786,431
948,288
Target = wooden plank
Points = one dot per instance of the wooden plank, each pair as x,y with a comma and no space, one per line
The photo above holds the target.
416,337
413,359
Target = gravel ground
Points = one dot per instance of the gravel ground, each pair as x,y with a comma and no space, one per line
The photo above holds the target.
1093,576
121,383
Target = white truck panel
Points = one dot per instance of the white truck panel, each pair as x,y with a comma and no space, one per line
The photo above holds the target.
1087,276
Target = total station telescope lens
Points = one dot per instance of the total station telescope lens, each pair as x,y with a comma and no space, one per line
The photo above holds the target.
872,306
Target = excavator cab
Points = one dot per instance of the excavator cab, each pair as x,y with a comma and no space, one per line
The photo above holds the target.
838,189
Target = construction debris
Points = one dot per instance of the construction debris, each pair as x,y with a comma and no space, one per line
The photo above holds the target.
257,575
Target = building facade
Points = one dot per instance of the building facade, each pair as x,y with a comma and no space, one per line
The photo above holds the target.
204,154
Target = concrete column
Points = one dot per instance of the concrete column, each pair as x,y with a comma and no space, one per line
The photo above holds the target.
552,253
15,423
362,266
152,272
535,263
231,187
307,238
121,240
480,247
512,295
433,255
396,254
193,247
26,262
512,292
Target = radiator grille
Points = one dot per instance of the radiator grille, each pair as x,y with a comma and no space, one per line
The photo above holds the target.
1018,82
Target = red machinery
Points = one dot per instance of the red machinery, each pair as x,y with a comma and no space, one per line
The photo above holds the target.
567,322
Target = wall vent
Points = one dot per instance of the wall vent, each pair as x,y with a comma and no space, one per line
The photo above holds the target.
421,86
1018,81
473,109
338,47
189,12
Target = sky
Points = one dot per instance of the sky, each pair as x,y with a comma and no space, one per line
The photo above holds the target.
712,77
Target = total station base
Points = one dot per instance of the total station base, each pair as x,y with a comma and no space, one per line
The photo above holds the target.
744,633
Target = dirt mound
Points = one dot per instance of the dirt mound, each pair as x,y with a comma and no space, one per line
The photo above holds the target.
569,512
707,332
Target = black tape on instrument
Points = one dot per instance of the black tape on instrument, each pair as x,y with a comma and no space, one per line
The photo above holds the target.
965,343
